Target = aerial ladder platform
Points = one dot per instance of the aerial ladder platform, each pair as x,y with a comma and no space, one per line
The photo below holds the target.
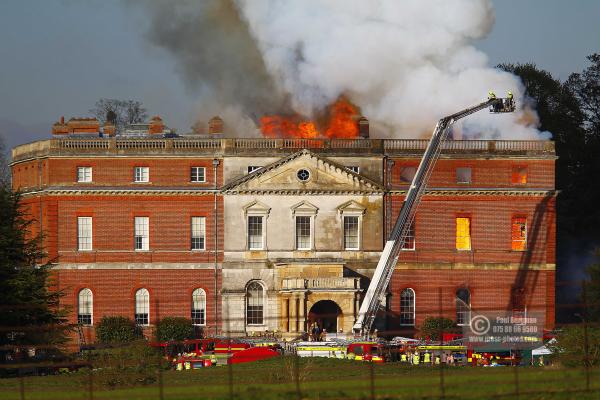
389,257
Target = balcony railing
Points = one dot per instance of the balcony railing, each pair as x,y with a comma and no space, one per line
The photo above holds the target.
320,283
264,146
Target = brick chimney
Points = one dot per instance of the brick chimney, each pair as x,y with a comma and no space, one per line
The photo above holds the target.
363,128
60,128
109,129
83,125
156,126
215,126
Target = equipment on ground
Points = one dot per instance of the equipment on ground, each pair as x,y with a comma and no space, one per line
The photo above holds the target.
389,256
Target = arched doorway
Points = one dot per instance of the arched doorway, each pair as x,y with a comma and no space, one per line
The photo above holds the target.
326,313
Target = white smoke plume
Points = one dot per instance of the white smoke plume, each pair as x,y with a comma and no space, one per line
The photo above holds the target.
405,63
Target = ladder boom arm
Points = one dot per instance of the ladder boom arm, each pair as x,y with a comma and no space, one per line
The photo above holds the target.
389,256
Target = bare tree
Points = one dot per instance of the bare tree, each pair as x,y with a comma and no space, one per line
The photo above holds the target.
120,112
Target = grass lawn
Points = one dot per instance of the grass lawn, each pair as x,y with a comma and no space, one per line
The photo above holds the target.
321,379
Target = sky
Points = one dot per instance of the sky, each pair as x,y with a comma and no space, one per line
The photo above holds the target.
59,56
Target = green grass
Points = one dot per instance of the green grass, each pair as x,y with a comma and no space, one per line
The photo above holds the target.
322,379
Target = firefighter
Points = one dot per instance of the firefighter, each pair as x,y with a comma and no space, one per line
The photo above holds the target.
509,103
416,358
497,105
403,358
427,358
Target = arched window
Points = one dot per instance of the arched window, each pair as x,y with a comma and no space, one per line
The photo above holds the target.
199,307
407,307
255,303
85,307
142,307
463,306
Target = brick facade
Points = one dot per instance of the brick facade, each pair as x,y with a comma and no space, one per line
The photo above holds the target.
46,172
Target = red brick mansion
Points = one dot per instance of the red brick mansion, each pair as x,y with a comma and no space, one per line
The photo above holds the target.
247,235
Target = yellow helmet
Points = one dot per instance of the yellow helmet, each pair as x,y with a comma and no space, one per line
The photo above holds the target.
510,93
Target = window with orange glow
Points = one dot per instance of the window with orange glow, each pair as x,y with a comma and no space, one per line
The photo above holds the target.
519,233
519,175
463,233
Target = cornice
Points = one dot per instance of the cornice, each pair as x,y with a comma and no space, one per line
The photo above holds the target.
482,192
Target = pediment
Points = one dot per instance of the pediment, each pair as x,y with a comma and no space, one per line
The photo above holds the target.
351,207
256,207
304,207
306,172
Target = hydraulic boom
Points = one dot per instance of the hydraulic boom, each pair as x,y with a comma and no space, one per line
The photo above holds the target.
389,256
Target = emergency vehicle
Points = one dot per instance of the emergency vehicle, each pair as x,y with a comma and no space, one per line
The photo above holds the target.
200,353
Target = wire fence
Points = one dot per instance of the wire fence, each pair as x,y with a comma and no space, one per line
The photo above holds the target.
566,367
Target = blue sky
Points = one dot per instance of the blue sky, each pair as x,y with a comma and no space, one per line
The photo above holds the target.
59,56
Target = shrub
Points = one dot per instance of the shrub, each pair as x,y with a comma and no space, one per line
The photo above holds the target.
174,328
433,327
134,364
117,330
569,347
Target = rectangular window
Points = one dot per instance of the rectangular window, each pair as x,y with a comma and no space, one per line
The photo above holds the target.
198,174
351,233
84,233
519,233
141,174
142,233
409,241
463,175
252,168
407,174
519,175
198,233
463,233
84,174
303,241
255,232
354,168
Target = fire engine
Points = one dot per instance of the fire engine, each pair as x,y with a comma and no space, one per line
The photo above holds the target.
199,353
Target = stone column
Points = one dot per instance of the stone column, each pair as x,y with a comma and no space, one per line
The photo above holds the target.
302,316
292,313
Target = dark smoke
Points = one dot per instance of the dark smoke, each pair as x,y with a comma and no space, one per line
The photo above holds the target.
215,55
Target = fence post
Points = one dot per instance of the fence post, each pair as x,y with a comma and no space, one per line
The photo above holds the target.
161,394
21,385
230,372
517,385
442,380
372,376
90,384
586,343
297,375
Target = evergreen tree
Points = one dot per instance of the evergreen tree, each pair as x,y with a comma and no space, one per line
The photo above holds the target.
29,308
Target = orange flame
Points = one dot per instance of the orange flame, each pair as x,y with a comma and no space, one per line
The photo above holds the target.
341,123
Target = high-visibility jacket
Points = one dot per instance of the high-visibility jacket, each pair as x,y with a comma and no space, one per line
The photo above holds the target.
427,358
403,358
416,359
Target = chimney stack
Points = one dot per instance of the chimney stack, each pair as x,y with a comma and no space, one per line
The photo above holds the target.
215,126
156,126
60,128
109,129
363,128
